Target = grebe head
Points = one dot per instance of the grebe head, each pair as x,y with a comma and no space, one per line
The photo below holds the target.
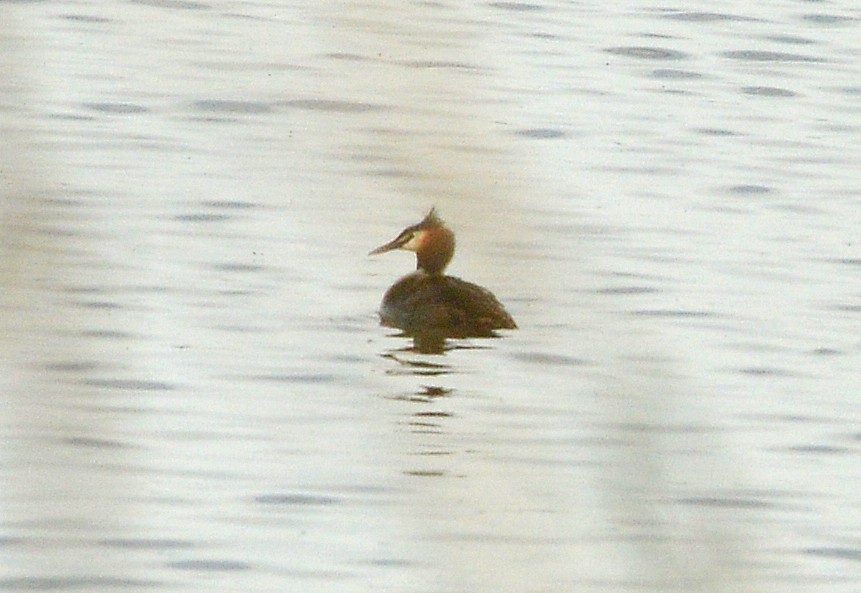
432,242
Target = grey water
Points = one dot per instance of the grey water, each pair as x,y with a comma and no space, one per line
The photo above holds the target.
197,395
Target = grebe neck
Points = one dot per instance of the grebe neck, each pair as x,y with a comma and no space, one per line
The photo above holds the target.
436,251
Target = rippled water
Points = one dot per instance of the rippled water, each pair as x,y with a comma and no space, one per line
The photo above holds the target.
198,395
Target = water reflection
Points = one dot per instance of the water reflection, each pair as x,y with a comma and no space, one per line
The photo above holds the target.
410,366
436,343
426,394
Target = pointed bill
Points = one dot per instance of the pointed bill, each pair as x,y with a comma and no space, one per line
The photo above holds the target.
388,246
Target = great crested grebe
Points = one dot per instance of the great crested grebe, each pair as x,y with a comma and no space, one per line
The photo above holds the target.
427,301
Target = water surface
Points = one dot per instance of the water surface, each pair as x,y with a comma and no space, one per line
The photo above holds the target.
199,396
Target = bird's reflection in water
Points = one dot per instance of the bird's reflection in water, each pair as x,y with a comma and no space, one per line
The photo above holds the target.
410,365
427,418
436,343
430,343
428,394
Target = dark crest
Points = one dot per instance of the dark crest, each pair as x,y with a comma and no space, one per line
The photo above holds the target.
432,220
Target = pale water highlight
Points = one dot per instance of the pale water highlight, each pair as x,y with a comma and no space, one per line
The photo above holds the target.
198,396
